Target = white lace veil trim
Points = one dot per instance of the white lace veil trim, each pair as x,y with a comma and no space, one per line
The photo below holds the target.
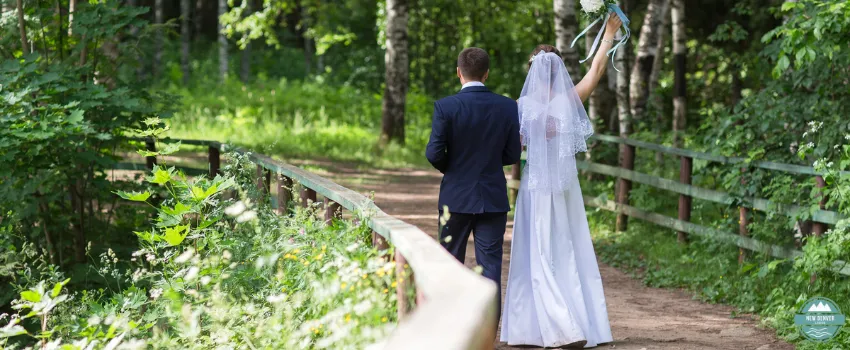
553,124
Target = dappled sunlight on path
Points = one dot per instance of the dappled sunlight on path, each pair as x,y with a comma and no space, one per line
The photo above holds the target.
641,317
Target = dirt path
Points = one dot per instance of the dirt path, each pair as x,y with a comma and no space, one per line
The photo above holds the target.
641,317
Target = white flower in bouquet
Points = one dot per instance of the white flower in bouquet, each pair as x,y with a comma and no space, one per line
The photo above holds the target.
592,6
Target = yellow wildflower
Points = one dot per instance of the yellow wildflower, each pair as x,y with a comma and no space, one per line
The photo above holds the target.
364,276
384,319
296,251
386,291
342,285
394,284
347,318
351,288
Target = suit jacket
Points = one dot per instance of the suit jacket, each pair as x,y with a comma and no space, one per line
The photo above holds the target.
473,135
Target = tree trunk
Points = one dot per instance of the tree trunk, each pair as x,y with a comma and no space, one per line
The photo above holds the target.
646,52
72,7
245,71
222,42
395,60
601,102
198,19
185,39
308,42
22,26
656,100
625,118
565,31
677,14
159,40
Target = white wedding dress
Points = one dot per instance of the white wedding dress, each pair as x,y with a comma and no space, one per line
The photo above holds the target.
554,294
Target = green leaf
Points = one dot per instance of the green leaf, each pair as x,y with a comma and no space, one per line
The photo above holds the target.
788,6
58,288
169,148
76,116
175,235
160,176
199,193
134,196
31,296
210,191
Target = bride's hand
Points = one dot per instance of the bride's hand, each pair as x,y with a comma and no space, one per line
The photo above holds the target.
614,23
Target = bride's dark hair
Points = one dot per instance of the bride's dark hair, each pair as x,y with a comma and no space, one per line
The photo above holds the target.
543,48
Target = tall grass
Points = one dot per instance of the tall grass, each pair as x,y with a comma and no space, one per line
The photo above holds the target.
301,119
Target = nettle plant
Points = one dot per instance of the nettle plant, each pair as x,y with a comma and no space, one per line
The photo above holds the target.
217,268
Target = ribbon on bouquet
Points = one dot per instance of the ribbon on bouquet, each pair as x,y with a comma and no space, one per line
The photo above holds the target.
604,19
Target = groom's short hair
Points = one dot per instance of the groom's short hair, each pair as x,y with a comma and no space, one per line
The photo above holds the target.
473,63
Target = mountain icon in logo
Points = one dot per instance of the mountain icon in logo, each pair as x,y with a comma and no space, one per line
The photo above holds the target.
819,319
820,307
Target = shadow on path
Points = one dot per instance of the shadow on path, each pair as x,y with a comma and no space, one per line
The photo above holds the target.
641,317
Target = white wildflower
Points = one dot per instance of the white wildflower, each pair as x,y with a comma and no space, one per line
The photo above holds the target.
206,280
155,293
185,256
93,321
246,216
810,145
226,255
591,6
274,299
352,247
193,272
235,209
150,257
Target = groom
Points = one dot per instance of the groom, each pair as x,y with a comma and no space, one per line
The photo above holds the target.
473,135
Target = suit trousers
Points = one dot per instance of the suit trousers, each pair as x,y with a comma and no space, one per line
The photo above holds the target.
488,231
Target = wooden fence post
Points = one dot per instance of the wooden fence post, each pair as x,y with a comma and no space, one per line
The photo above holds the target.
819,228
685,168
379,242
332,211
215,161
284,193
150,145
625,186
743,222
516,174
263,179
402,285
307,196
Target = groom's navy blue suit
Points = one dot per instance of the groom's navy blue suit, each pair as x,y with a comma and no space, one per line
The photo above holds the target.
473,135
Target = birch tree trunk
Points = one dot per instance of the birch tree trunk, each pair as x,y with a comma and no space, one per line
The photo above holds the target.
565,31
159,40
396,62
22,27
185,39
72,7
627,152
655,98
222,42
679,84
601,102
646,52
245,61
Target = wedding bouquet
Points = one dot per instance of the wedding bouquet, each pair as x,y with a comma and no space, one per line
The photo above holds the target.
600,10
594,9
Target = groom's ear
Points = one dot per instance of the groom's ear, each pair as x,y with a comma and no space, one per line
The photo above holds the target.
458,73
486,75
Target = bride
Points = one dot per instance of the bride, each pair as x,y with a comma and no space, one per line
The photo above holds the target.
554,292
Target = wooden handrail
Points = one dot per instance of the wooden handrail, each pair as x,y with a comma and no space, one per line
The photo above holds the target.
686,190
788,168
459,307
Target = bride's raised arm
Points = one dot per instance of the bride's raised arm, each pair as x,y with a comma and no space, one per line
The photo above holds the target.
600,62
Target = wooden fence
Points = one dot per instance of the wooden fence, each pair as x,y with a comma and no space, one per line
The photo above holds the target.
687,191
455,307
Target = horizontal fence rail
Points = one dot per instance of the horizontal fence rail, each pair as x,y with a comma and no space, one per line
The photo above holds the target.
456,308
687,191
